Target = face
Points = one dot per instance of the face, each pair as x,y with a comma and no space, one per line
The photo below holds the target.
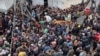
24,44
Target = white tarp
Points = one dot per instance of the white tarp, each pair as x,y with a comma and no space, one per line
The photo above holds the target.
38,2
5,5
50,3
63,4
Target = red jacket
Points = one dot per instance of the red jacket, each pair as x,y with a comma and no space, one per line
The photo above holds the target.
97,36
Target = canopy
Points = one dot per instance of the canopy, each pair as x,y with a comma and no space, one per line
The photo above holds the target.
5,5
62,4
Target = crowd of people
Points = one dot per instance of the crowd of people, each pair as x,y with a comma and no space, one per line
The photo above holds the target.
38,36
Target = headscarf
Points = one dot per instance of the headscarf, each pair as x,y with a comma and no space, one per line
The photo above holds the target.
22,54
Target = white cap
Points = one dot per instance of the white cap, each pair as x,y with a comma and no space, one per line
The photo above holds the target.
16,28
45,13
33,45
4,38
83,34
8,31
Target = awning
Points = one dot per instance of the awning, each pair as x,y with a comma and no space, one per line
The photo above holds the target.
5,5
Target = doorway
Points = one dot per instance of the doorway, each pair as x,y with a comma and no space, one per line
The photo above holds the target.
45,2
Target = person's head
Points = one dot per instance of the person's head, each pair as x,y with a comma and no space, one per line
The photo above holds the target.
24,44
22,53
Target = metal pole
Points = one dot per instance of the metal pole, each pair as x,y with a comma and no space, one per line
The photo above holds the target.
13,28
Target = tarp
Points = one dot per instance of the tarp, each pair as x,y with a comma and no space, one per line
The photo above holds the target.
5,5
38,2
62,4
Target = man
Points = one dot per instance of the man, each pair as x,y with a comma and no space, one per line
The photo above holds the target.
22,53
48,18
93,5
22,49
98,9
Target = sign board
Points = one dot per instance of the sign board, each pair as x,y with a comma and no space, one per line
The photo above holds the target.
61,22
